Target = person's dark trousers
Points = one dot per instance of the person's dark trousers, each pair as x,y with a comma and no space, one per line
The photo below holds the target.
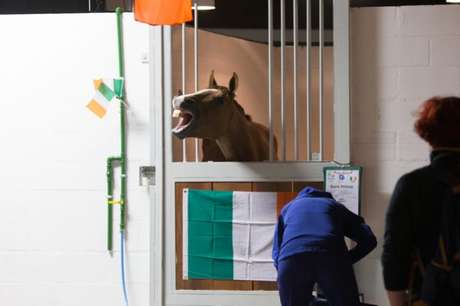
334,274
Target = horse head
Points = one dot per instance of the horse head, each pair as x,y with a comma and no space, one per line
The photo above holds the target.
207,113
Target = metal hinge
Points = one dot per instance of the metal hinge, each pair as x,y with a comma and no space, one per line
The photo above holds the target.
147,174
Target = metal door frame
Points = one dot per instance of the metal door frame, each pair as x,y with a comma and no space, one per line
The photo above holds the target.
163,291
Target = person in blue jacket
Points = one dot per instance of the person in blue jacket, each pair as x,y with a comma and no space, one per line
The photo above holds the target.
309,247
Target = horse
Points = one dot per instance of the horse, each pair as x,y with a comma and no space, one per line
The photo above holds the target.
228,133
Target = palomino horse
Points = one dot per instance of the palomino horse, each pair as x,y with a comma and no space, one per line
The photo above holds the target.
216,117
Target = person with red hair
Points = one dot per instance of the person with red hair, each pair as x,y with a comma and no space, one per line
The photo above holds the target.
417,207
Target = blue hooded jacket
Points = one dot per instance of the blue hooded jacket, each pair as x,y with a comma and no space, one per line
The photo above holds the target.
314,222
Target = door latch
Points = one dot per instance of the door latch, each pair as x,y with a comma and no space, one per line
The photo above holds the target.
147,175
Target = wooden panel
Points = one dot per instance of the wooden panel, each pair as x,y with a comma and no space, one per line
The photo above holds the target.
300,185
272,186
180,282
284,198
269,186
232,285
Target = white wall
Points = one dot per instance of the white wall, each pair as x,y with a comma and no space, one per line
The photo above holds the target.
400,57
52,221
53,151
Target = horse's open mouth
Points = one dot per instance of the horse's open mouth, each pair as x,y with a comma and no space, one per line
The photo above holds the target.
184,124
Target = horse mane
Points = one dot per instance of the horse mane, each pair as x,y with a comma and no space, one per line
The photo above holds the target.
238,105
241,109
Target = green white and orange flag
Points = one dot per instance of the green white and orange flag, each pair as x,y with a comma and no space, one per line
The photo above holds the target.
106,91
228,235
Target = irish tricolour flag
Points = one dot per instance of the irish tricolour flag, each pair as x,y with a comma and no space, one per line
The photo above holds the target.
106,91
229,234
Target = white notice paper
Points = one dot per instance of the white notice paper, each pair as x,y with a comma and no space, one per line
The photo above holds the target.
344,185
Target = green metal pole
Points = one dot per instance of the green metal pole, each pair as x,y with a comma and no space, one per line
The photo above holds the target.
121,72
109,205
122,158
110,165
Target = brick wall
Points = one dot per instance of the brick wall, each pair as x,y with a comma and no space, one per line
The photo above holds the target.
400,57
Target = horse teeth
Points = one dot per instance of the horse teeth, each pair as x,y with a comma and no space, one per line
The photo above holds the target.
176,113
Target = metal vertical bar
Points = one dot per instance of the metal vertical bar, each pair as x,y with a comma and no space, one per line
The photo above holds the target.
308,75
283,30
89,6
184,142
195,44
341,61
295,28
159,117
270,77
321,78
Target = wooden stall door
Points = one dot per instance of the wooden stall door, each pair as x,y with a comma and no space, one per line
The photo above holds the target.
206,284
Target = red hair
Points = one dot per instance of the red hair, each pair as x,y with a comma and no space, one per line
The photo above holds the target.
438,122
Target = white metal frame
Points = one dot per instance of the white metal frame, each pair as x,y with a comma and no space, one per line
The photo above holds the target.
341,35
308,76
163,262
156,91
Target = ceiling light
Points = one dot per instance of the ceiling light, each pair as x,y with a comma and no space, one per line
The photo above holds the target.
205,5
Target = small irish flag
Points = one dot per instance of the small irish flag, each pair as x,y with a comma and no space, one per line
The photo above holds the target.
106,91
228,235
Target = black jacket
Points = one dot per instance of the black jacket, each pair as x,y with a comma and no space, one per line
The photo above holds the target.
414,215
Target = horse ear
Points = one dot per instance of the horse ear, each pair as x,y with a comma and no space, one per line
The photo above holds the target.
233,84
212,81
